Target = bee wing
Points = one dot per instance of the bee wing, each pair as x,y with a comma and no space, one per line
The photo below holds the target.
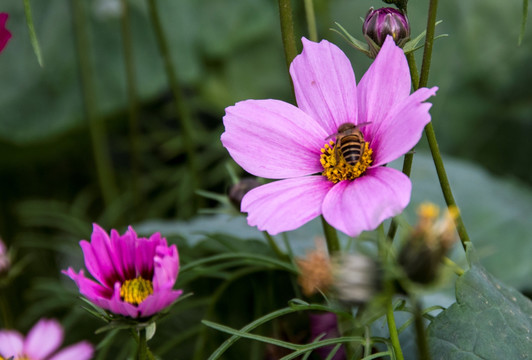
331,136
362,124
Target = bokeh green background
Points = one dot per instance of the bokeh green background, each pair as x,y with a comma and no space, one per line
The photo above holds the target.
224,52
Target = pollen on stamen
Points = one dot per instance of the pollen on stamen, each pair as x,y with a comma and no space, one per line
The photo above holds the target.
136,290
337,170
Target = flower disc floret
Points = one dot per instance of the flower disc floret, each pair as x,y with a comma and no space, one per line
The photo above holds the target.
336,169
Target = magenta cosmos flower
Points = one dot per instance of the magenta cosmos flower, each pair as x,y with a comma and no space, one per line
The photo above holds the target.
276,140
135,276
41,344
5,35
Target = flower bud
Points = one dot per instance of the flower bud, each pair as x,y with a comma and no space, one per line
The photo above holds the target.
237,191
357,278
382,22
427,244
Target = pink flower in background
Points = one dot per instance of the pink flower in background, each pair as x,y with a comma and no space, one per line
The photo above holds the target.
276,140
135,276
41,343
5,35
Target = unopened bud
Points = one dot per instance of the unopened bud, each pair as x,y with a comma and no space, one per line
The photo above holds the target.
383,22
237,191
428,242
315,271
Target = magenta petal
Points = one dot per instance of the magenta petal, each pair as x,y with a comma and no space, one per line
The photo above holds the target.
43,339
166,267
5,35
158,301
273,139
11,343
403,128
107,260
363,204
125,246
90,289
118,306
80,351
325,85
286,204
383,86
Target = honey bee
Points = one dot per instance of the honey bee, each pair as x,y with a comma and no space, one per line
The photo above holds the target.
349,142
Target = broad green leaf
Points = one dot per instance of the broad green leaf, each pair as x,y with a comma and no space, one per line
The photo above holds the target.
489,320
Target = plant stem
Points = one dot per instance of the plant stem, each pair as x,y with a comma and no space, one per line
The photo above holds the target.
142,353
394,336
287,31
4,310
271,241
331,236
183,113
133,100
97,129
422,344
311,20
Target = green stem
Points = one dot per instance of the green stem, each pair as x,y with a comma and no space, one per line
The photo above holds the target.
457,269
183,112
429,41
394,336
133,100
97,129
422,343
4,310
271,241
331,236
311,20
287,31
142,353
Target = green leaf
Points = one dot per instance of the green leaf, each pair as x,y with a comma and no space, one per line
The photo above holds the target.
489,320
33,35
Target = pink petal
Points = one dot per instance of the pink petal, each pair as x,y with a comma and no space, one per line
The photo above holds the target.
5,35
325,85
88,288
80,351
364,203
125,246
158,301
383,86
43,339
145,253
11,343
104,256
403,129
286,204
166,267
273,139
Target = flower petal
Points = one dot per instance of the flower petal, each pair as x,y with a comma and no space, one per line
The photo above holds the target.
5,35
403,129
116,305
11,343
158,301
325,85
273,139
79,351
286,204
88,288
385,84
362,204
166,267
43,339
125,246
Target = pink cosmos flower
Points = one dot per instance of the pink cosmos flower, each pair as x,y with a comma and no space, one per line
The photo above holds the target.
5,35
41,343
276,140
135,276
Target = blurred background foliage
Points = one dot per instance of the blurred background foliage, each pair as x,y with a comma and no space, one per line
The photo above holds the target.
224,52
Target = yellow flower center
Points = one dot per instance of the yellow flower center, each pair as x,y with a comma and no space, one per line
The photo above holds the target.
136,291
336,169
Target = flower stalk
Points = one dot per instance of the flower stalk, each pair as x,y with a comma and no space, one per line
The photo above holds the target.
132,98
311,20
97,129
331,236
287,31
143,345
